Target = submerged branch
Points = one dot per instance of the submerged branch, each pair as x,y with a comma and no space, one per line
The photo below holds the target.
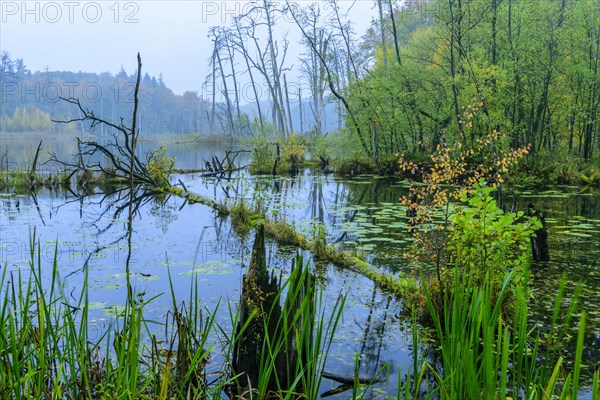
349,380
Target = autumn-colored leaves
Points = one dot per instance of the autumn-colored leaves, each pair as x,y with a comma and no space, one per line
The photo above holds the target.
452,175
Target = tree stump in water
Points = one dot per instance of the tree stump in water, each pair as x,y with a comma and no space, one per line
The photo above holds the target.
258,294
539,242
262,315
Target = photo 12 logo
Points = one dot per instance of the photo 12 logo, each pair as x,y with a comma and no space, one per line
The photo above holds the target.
52,92
53,12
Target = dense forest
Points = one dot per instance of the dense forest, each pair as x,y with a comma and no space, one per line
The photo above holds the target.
429,72
454,70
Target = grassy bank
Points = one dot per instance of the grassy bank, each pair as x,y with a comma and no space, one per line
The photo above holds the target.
47,350
338,153
482,353
558,169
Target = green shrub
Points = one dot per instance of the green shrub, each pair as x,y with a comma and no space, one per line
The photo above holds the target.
160,166
293,153
241,218
485,242
265,153
354,166
263,156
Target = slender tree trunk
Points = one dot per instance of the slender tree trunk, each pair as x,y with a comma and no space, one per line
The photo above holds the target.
225,90
382,32
591,124
455,60
395,32
214,92
301,111
235,85
287,101
250,74
275,70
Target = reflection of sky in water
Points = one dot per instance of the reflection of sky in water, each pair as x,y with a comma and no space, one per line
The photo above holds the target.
188,242
360,215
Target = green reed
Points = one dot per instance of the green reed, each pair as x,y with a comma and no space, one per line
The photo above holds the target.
486,354
47,352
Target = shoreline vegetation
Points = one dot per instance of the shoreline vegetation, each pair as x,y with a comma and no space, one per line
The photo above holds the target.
548,169
243,216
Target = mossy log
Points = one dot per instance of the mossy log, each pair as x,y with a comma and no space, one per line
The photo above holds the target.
258,299
284,233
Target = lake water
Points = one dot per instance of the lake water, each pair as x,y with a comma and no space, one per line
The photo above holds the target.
362,214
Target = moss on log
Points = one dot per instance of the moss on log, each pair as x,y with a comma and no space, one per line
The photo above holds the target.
284,233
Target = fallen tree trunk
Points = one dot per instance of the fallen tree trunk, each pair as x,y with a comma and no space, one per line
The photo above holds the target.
284,233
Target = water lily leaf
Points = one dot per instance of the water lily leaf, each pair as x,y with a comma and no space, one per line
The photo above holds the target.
214,267
577,234
397,225
367,246
147,277
110,286
382,239
136,275
114,311
95,305
584,226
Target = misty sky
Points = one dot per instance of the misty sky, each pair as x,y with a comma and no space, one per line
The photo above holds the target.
105,35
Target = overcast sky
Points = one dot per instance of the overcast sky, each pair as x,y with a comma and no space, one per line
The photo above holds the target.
105,35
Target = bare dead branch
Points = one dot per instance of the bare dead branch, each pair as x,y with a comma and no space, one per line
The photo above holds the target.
119,153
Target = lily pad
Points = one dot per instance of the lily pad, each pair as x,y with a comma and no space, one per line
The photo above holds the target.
114,311
95,305
576,234
136,275
110,286
215,267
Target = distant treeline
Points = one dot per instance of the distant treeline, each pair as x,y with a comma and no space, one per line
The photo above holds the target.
31,99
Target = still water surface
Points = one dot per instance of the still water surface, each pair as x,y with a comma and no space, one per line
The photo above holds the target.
362,214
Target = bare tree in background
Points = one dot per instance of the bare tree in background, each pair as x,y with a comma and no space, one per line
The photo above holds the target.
312,68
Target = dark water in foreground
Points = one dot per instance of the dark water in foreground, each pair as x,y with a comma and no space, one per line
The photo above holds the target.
361,214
